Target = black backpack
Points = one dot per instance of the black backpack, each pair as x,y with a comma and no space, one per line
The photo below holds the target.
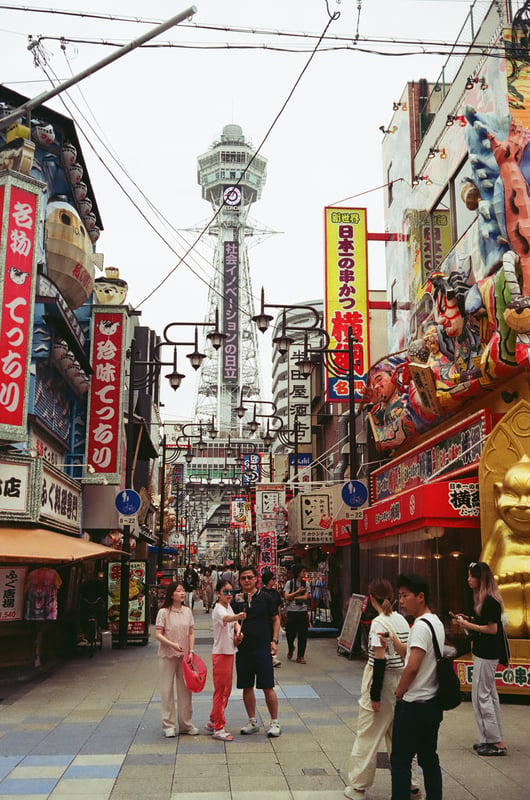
449,695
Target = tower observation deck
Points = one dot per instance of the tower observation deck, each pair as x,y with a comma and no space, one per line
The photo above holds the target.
230,183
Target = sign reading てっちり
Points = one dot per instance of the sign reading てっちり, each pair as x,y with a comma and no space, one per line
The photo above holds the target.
105,407
19,210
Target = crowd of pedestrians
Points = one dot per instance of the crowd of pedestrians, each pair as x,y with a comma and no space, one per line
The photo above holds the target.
398,704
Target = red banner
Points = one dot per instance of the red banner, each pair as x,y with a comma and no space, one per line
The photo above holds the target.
104,416
18,209
267,552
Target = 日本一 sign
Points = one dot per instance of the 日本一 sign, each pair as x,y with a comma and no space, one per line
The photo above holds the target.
346,298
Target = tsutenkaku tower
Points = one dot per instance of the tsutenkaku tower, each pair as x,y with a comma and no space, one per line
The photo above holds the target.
231,184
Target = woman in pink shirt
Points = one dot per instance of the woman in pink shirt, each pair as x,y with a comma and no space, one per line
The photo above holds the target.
175,632
225,630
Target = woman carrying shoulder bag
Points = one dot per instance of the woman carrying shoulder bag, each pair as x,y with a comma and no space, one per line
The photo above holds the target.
485,626
378,699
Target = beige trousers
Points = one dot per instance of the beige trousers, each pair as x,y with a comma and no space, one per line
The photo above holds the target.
372,728
171,673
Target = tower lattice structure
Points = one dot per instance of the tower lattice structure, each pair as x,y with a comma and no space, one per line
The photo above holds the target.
231,177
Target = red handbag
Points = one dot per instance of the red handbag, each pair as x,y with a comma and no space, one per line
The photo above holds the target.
194,673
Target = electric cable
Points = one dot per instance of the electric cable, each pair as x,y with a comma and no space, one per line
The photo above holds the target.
267,134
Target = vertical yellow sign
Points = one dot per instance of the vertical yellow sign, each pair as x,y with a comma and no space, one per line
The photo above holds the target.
346,298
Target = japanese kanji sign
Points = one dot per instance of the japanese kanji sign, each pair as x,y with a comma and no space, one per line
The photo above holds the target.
105,408
19,210
12,580
267,552
444,503
346,297
231,312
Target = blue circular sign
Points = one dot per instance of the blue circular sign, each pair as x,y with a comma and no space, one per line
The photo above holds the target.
128,502
354,494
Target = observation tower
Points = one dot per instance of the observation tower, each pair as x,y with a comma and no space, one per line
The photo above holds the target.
231,176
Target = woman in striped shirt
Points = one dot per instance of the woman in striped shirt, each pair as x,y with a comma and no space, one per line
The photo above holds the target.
380,678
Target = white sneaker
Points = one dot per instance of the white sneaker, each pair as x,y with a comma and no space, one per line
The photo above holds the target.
170,733
354,794
251,727
193,731
274,729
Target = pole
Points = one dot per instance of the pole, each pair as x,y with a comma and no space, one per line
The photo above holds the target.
354,546
162,508
126,548
122,51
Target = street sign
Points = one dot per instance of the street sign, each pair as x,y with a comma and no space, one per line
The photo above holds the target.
128,502
354,493
128,519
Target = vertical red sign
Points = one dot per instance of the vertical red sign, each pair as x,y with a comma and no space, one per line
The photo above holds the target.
105,417
18,212
267,552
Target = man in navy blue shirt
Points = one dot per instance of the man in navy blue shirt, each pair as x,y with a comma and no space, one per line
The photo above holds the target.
256,649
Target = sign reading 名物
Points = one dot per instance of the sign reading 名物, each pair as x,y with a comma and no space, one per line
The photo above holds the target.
19,209
346,297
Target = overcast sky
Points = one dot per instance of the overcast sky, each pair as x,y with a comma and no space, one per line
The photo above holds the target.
159,108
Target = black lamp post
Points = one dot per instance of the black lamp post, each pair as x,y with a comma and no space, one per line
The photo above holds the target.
305,365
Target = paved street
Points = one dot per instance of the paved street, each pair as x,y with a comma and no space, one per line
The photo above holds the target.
91,729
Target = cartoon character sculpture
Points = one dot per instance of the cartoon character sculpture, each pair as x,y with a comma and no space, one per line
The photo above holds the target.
504,479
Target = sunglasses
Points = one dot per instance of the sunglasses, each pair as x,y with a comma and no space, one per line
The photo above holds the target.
226,591
247,578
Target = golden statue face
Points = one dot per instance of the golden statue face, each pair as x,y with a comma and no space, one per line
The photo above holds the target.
512,497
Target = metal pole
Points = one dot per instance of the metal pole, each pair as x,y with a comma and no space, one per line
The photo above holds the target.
354,546
122,51
126,548
162,507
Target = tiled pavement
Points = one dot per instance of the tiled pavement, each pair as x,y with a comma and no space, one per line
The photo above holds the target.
91,731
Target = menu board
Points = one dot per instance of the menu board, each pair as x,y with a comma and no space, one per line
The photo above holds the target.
346,639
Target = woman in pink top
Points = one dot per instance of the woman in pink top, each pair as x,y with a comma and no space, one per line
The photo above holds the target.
175,632
225,629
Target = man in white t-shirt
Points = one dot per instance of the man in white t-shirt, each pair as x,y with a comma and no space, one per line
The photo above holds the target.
417,714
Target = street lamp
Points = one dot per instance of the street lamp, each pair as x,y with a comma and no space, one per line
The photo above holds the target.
283,341
215,337
329,356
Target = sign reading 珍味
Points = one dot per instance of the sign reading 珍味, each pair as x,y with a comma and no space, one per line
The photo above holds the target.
104,411
19,209
346,297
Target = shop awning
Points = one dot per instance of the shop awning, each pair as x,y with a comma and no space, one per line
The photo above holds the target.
37,545
453,504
